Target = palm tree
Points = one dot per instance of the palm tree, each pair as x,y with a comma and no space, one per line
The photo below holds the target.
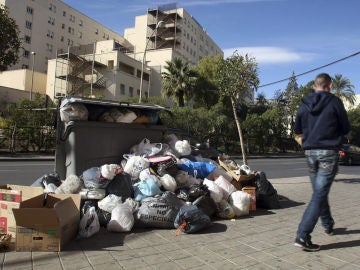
178,81
342,88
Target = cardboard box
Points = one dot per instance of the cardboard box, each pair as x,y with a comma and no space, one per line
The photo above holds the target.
10,198
47,225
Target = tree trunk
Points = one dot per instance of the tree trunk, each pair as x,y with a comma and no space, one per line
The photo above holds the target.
238,125
181,100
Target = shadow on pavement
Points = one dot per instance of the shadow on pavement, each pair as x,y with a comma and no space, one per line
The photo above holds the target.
285,202
352,243
342,231
348,181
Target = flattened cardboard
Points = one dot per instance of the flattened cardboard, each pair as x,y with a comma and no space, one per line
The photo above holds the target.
47,225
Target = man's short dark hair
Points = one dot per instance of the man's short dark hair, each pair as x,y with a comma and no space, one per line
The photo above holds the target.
322,80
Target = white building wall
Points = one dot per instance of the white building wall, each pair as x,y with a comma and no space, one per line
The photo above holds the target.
21,79
54,25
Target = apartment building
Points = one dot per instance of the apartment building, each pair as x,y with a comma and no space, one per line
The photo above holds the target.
100,70
49,25
180,35
56,36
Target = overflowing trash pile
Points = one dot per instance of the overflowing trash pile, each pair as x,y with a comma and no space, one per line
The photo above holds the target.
157,185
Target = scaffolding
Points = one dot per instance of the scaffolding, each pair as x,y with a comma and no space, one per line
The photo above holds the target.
168,36
77,73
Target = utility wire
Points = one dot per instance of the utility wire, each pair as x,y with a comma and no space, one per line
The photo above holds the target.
312,70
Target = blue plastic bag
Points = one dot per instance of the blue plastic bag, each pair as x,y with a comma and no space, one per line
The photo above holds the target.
197,169
147,188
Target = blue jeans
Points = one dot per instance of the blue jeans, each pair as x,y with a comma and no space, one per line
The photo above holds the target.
323,166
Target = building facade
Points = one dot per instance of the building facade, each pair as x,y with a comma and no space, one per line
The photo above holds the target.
99,70
101,62
50,25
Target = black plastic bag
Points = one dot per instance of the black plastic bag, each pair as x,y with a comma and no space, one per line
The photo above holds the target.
191,219
266,194
197,190
121,186
207,204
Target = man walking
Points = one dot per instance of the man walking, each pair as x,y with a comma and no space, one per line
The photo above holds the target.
322,122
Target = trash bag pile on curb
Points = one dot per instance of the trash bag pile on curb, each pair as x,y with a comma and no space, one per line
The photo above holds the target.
158,185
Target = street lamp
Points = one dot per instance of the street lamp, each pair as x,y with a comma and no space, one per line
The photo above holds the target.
160,24
32,73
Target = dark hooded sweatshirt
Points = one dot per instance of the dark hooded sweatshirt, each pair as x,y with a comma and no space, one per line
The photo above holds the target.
322,121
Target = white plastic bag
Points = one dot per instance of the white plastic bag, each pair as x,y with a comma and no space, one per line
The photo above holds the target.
73,112
109,202
226,187
89,223
216,192
122,219
134,165
168,182
183,147
146,149
240,202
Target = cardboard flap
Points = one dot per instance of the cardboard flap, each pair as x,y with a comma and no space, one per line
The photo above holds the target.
24,192
34,202
52,199
66,211
29,217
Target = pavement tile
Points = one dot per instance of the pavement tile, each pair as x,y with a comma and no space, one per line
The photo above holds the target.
262,240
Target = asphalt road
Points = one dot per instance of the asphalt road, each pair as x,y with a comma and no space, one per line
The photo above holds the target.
26,172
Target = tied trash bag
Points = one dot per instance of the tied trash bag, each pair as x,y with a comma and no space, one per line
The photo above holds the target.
73,112
197,190
197,169
216,192
226,186
191,219
146,189
240,202
122,219
146,149
157,212
93,179
121,186
134,165
109,202
266,194
89,224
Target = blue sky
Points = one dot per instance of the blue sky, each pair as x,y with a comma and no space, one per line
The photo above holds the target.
284,36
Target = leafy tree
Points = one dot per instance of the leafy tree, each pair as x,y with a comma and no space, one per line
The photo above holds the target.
237,77
342,88
354,119
9,41
206,91
178,81
30,127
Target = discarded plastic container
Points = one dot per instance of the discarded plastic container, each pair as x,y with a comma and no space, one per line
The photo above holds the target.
252,192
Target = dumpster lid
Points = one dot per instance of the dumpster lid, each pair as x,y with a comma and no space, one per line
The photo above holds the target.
90,101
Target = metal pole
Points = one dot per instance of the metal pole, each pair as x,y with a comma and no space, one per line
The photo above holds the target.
32,74
92,71
158,25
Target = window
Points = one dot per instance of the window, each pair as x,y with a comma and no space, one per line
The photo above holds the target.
131,91
52,7
25,66
63,26
29,10
122,89
62,38
51,20
50,34
72,18
81,23
26,53
28,25
27,39
71,30
64,13
97,31
49,47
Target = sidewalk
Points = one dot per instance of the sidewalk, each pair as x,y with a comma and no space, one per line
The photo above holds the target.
262,240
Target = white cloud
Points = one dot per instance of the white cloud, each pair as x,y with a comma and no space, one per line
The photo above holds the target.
271,55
